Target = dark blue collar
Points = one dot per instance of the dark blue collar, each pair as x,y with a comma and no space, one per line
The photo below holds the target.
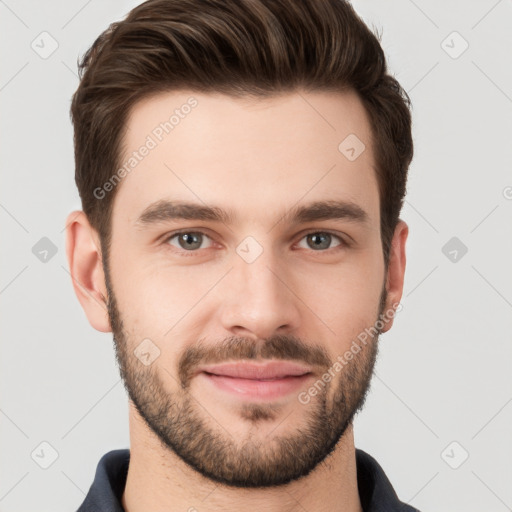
375,490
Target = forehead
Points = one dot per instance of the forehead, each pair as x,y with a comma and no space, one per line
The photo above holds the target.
256,156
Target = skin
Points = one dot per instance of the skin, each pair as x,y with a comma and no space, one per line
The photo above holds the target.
191,444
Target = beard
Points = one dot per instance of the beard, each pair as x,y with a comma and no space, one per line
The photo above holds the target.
184,426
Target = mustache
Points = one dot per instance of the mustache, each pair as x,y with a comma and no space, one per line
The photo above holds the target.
235,348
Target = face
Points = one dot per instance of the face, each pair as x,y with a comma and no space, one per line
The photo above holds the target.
245,235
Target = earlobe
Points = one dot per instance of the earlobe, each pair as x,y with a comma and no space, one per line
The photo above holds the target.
396,272
86,268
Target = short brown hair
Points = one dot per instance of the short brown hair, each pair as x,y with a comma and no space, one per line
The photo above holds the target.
241,48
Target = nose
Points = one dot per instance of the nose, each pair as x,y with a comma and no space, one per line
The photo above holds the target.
258,298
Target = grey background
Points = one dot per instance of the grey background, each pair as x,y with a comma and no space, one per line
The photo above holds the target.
444,373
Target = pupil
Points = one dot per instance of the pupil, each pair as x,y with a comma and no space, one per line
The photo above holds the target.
190,239
319,239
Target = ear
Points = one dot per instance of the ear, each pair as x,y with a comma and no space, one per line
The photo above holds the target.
83,252
396,270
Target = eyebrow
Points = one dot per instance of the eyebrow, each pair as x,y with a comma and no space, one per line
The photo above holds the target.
165,210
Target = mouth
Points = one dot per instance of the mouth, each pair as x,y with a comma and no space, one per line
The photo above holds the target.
252,381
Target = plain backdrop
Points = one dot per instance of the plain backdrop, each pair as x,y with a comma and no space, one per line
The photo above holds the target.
439,415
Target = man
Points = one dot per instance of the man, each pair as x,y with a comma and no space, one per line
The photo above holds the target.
242,166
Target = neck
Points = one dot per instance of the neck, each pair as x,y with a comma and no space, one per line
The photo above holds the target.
159,480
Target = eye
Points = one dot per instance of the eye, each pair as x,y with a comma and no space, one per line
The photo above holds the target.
318,240
188,240
192,241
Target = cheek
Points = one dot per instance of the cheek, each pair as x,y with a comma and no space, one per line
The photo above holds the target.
161,301
344,298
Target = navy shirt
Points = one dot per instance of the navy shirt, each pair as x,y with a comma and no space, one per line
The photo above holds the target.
375,490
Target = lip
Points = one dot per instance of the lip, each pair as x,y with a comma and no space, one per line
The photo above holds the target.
254,371
251,381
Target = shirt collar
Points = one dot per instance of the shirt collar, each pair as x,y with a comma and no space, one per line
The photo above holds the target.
375,490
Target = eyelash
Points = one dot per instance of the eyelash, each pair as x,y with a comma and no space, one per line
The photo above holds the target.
343,243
